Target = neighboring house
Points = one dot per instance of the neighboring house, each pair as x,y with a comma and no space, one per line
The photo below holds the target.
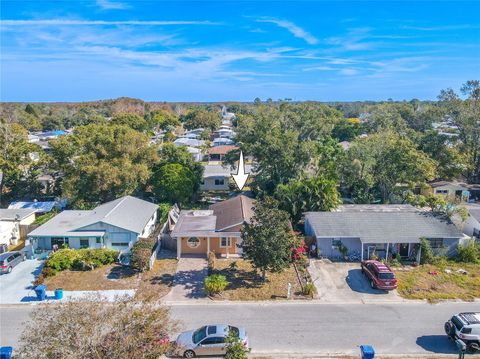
195,132
224,133
39,207
196,153
11,223
220,141
471,227
215,230
217,177
117,225
449,189
191,142
218,153
383,230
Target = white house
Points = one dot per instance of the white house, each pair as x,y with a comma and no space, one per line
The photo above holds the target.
471,227
10,222
116,225
217,177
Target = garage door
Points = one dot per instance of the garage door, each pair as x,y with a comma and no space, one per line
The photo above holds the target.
119,240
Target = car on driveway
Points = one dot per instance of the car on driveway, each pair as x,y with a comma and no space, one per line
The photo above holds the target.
207,340
466,327
379,274
9,260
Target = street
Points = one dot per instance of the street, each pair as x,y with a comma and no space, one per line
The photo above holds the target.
413,328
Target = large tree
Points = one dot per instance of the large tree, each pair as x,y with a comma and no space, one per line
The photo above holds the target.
378,164
131,120
173,183
101,162
465,114
268,239
20,163
200,118
317,193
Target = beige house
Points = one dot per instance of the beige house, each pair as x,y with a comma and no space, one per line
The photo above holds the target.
13,224
217,229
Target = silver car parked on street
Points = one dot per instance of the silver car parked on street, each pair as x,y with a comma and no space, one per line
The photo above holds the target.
207,340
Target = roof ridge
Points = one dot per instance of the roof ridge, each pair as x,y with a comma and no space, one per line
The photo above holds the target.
242,206
114,208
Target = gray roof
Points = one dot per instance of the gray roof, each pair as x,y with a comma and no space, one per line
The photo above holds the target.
127,212
193,223
221,171
10,214
381,226
474,211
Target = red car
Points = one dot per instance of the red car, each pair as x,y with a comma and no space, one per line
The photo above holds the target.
379,275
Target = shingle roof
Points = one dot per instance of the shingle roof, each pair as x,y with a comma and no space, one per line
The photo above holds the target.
221,150
127,212
474,211
10,214
382,226
232,212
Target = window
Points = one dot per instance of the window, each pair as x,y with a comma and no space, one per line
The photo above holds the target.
213,340
336,243
98,240
441,191
436,243
219,182
199,334
193,242
224,242
84,243
119,244
212,330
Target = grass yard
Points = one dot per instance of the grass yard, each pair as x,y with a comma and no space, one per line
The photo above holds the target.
245,284
432,283
155,283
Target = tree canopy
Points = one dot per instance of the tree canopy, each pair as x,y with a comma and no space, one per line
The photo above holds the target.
173,183
200,118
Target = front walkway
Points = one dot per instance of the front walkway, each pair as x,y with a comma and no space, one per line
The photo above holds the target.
188,282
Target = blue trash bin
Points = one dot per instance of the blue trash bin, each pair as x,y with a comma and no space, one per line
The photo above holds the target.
59,293
41,291
6,352
367,352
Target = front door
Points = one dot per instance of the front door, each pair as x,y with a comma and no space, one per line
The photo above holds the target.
404,247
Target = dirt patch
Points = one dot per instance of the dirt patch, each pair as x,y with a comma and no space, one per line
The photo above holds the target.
246,284
153,284
439,282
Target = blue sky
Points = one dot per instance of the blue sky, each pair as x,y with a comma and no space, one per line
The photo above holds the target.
227,50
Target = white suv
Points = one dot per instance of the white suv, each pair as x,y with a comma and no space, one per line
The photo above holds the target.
466,327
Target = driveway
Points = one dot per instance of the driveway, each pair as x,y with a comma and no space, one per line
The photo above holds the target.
17,286
345,283
188,281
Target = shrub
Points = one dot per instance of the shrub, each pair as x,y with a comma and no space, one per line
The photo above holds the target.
468,253
78,259
62,259
309,289
141,253
234,347
426,255
215,284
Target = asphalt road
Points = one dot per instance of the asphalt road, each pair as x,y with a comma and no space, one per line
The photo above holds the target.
414,328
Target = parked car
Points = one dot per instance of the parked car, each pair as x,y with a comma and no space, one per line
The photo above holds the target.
379,274
207,340
9,260
466,327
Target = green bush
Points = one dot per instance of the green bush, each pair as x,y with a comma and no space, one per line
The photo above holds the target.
215,283
141,253
426,255
468,253
62,259
79,259
234,347
309,289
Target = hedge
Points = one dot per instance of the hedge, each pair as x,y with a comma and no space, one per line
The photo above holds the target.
141,253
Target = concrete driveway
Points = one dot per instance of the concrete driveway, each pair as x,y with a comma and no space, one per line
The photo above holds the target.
345,283
17,287
188,280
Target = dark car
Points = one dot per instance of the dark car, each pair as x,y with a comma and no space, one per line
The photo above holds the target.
379,275
9,260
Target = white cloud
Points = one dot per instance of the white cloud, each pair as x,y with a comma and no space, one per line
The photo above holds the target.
112,5
64,22
348,72
293,29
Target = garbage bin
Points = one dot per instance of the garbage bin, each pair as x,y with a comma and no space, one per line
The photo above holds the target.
367,352
41,291
6,352
59,293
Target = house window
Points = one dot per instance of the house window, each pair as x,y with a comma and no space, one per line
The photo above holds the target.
441,191
336,243
219,182
119,244
225,242
98,240
84,243
193,242
436,243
